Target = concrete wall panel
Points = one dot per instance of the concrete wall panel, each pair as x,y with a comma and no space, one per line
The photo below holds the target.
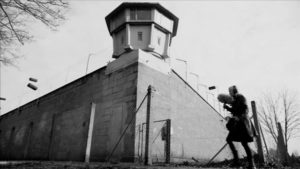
197,130
55,126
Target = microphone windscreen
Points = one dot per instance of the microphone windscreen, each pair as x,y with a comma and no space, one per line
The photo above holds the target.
225,98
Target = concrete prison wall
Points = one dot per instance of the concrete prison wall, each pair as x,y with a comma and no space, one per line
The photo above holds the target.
197,130
55,126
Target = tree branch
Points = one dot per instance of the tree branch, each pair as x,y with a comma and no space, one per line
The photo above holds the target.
12,27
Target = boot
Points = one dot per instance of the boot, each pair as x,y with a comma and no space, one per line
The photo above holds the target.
235,164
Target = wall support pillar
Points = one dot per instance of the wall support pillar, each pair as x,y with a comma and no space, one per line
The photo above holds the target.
151,45
90,133
128,47
49,157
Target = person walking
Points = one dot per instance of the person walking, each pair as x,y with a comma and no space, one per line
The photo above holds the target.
240,127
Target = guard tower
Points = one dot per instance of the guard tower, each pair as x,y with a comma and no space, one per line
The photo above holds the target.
146,26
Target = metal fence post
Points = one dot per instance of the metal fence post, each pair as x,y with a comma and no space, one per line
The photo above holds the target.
148,143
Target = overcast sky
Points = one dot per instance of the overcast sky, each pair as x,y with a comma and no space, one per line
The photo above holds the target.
251,44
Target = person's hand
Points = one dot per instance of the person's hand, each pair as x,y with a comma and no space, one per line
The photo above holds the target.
227,118
235,118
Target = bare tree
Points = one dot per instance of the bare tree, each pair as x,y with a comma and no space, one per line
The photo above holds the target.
284,108
291,116
16,15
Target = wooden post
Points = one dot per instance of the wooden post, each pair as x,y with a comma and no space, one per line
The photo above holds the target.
142,142
139,144
168,141
90,134
262,134
281,150
148,140
258,139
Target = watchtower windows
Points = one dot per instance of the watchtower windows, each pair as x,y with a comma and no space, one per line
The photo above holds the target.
140,36
132,14
143,14
139,24
140,14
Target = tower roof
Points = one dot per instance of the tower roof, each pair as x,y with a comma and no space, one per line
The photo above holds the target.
157,6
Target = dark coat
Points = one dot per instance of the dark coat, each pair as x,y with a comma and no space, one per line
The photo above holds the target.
240,126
